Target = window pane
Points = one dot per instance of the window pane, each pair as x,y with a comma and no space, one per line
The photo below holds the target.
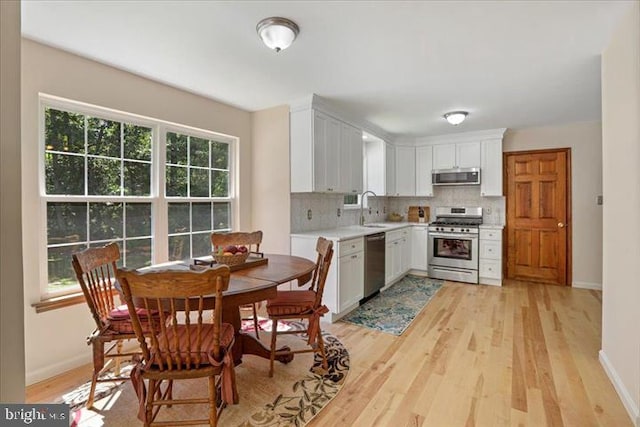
66,222
105,221
137,179
64,131
201,244
219,183
199,152
351,199
59,267
137,142
104,177
176,181
176,149
219,155
179,218
221,216
137,253
103,137
138,219
179,248
199,182
201,219
64,174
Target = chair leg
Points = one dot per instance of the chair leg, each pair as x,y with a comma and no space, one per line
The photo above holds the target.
117,358
256,325
213,410
325,364
98,364
149,403
274,333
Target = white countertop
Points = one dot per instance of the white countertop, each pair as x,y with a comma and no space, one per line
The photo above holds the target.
353,231
492,226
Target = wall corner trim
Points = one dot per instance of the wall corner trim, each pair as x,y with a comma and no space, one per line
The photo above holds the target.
623,393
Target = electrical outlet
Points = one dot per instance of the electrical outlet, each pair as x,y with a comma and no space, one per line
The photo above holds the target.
599,200
339,213
309,214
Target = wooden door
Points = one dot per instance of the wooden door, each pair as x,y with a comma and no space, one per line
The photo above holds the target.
538,216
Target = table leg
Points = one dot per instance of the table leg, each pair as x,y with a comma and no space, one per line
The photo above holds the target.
247,343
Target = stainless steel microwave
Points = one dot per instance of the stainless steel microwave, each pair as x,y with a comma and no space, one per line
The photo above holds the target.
462,176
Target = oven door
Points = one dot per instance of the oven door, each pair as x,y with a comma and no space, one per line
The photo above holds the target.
453,250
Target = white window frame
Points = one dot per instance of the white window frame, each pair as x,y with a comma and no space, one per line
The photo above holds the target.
159,202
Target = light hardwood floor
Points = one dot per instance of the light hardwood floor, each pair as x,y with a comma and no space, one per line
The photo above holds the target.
521,354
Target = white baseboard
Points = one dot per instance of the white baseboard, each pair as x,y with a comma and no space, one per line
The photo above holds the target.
587,285
623,393
57,368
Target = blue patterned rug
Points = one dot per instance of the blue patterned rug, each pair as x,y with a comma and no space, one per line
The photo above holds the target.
394,309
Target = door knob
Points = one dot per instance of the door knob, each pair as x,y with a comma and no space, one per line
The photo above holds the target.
561,225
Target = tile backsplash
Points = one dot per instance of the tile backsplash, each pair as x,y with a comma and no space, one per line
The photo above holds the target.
327,210
493,208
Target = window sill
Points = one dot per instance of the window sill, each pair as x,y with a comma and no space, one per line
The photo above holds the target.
59,302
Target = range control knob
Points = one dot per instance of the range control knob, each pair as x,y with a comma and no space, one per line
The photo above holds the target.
452,230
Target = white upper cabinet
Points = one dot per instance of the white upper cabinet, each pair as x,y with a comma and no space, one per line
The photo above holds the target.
352,162
326,154
491,168
390,162
405,171
461,155
424,165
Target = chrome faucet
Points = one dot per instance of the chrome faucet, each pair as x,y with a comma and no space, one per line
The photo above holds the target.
362,205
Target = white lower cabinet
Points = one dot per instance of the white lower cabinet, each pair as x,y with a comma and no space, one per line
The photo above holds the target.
344,286
397,254
351,282
490,268
419,243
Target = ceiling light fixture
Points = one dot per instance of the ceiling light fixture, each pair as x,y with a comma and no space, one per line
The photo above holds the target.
277,33
456,117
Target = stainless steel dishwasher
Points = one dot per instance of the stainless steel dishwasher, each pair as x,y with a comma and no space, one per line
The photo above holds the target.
373,265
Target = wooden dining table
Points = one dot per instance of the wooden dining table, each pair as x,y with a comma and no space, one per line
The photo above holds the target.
251,285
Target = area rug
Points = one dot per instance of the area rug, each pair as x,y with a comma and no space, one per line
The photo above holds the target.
393,310
297,392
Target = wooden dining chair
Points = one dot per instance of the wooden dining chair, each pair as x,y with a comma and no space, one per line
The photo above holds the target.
294,305
95,270
187,345
252,241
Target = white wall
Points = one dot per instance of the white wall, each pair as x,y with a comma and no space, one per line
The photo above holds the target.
620,354
11,283
270,183
54,72
585,141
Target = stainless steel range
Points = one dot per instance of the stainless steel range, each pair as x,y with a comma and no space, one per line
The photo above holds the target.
453,244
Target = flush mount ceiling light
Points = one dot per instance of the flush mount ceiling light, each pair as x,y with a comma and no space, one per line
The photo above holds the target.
277,33
456,117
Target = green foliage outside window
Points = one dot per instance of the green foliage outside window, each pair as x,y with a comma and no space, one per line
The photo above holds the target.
87,157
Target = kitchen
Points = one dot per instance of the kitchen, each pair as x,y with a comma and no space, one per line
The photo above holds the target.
398,180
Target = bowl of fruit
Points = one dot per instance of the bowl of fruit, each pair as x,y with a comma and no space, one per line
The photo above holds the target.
231,254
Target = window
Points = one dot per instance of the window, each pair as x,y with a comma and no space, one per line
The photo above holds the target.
197,168
99,187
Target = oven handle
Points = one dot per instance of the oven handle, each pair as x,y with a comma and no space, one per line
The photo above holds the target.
454,236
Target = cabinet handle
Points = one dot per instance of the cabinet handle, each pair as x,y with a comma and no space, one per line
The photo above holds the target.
354,256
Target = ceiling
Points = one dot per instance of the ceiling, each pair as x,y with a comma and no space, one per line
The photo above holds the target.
399,65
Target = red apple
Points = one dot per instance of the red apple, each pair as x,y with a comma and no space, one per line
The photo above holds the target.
231,248
242,249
